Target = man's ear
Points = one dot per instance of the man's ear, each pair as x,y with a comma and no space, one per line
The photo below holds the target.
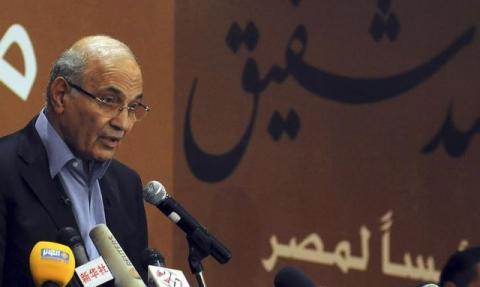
449,284
58,89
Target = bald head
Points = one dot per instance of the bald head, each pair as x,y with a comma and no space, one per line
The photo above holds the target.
74,62
101,47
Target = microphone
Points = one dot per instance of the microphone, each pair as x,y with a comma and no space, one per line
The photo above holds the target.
156,194
70,237
166,277
117,261
89,273
290,276
151,256
92,274
158,274
51,264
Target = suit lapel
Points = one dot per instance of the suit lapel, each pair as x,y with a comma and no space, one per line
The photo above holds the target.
35,171
115,214
111,203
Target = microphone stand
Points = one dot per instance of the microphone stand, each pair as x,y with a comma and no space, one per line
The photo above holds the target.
199,248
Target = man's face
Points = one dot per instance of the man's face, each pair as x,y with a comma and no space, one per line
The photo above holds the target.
84,125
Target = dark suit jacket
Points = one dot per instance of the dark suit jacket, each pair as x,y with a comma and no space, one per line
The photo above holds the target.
33,207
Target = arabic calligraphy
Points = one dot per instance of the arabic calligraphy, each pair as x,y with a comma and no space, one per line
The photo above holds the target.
364,90
215,167
424,270
212,167
384,22
311,249
455,141
291,125
235,37
11,77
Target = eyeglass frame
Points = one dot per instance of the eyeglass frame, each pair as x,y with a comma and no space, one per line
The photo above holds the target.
102,102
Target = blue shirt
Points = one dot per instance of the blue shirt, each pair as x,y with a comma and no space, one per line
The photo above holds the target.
82,188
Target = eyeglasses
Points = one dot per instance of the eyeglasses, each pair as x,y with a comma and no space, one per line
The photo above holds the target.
112,105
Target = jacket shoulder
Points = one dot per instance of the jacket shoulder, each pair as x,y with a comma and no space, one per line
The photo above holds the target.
119,169
9,146
25,141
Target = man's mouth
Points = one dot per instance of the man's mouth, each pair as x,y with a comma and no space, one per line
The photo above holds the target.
111,142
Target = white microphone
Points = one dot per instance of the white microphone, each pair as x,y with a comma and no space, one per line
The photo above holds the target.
117,261
165,277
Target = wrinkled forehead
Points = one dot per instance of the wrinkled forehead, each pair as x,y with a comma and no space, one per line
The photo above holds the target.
113,68
104,53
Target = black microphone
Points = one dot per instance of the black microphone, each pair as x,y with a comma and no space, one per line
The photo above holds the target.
151,256
69,236
290,276
156,194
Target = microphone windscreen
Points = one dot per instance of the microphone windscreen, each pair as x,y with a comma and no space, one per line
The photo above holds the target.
51,263
123,271
290,276
154,192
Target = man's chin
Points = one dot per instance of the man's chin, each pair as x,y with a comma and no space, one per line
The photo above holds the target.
103,155
103,158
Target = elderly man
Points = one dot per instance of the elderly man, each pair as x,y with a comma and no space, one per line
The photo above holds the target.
58,171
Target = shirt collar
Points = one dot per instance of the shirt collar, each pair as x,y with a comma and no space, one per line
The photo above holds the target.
58,153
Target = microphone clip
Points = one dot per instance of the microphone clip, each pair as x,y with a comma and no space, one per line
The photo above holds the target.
199,247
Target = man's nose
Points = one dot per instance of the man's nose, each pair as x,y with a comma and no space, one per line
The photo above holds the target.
123,120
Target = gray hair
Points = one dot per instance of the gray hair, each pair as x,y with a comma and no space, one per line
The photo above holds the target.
70,65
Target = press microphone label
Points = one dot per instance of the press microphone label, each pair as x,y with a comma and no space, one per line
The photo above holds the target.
53,254
94,273
166,277
119,250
